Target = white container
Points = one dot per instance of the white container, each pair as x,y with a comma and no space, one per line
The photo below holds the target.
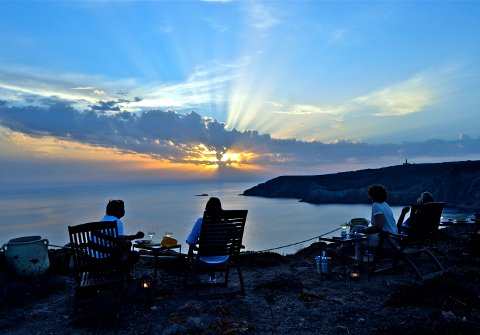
28,255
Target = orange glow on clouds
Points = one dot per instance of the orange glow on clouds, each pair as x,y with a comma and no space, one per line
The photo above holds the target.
200,161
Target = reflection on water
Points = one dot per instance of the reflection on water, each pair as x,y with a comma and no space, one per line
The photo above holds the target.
169,207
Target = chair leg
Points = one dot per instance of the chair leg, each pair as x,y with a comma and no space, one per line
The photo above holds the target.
398,254
185,279
435,260
240,278
414,266
378,255
227,274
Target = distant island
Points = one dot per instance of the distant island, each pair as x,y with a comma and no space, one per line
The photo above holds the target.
455,183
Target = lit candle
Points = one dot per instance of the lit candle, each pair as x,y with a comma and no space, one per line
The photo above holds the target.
145,282
355,275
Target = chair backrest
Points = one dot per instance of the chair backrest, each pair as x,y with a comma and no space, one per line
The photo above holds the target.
222,235
424,221
93,240
357,222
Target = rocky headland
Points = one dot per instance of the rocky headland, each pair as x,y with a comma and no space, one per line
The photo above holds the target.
455,183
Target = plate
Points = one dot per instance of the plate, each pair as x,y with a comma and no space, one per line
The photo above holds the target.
142,241
356,235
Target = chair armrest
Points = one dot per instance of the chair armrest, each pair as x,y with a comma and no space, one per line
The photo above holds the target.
192,248
397,237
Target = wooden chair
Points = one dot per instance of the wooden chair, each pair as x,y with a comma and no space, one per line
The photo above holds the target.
416,244
218,237
97,259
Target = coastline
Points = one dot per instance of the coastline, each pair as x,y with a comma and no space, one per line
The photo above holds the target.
451,182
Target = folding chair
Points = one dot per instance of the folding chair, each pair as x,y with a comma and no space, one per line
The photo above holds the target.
415,247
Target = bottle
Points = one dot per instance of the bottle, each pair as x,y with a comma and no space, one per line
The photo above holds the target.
318,261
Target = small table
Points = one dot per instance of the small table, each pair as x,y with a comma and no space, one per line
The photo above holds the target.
349,239
156,251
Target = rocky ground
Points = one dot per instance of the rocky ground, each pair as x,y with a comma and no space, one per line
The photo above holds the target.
284,295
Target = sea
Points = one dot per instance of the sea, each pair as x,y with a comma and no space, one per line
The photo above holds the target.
161,207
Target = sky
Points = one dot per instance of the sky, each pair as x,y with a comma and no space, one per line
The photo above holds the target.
187,90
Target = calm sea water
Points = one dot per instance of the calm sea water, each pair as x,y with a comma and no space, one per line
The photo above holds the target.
48,211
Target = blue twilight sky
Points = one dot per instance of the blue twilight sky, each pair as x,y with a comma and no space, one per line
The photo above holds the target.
234,89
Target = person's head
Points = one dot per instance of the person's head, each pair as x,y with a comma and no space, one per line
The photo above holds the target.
377,193
424,198
214,206
116,208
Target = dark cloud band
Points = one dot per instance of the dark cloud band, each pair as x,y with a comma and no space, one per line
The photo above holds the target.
173,136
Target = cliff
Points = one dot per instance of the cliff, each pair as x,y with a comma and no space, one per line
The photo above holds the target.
455,183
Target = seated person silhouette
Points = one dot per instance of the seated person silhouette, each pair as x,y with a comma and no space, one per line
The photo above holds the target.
403,224
115,210
382,220
213,209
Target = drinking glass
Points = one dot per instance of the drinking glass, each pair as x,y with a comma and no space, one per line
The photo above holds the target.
151,234
168,234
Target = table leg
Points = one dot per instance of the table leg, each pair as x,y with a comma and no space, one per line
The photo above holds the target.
155,265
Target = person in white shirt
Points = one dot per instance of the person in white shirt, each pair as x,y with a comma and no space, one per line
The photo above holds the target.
115,210
382,219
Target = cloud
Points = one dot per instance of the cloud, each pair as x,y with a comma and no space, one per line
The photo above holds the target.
411,96
306,110
206,85
261,17
21,83
192,139
88,88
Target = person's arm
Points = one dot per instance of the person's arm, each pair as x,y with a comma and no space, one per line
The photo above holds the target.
377,224
126,240
138,235
401,218
195,233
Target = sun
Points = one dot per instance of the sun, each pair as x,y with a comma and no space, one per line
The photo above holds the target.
236,159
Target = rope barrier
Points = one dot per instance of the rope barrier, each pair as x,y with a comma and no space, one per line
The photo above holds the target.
265,250
292,244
